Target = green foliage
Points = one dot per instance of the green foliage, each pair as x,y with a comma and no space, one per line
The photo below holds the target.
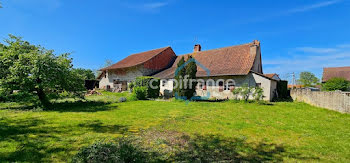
86,73
149,82
191,70
244,91
282,90
308,79
336,84
140,93
258,94
37,71
121,151
131,85
180,75
186,87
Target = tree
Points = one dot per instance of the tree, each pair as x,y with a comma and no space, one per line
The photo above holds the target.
190,71
336,84
86,73
37,71
181,72
107,63
308,79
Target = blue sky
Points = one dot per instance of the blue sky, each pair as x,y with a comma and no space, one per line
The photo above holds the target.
298,35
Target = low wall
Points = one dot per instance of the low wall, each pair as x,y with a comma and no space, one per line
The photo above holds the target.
336,100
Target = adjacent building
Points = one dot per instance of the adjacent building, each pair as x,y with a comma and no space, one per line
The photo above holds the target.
241,63
332,72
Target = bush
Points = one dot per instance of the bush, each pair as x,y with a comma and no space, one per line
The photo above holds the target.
140,93
336,84
121,151
122,99
258,94
145,81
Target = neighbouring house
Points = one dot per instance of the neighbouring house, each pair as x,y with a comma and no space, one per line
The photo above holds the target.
117,76
332,72
273,76
242,63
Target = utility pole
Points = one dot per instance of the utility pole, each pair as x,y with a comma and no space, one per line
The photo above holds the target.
294,84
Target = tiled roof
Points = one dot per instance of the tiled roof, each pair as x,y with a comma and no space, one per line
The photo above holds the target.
233,60
136,59
331,72
270,75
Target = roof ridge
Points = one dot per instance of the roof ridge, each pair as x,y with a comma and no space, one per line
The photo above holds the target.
337,67
220,48
162,49
166,47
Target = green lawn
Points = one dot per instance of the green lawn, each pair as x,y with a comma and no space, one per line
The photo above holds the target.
309,133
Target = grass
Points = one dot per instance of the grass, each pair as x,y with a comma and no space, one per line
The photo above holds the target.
309,133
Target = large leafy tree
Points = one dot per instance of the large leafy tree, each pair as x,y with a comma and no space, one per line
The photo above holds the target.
37,71
86,73
308,79
336,84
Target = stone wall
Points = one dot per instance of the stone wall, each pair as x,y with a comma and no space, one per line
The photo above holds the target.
336,100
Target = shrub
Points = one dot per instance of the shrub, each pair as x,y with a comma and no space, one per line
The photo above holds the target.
121,151
336,84
258,93
140,93
146,81
244,91
122,99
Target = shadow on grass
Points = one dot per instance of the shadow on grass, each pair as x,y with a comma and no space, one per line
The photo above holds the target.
35,140
178,147
212,148
31,139
81,106
65,106
98,126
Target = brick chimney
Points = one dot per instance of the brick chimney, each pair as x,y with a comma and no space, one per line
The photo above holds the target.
197,48
256,42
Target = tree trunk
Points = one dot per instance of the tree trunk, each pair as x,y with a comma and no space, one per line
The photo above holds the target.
43,99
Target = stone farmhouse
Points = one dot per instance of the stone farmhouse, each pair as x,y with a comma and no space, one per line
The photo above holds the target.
242,63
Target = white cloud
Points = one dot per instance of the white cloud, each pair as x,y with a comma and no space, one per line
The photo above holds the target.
315,60
316,50
155,5
313,6
344,46
148,7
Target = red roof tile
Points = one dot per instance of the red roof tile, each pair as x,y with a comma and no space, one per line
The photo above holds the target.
270,75
136,59
233,60
331,72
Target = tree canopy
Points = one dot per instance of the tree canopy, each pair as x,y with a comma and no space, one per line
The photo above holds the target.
86,73
334,84
35,70
308,79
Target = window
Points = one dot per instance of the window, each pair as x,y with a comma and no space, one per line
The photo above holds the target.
258,85
230,85
164,83
221,84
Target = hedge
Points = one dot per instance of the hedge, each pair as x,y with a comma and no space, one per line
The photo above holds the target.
145,81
